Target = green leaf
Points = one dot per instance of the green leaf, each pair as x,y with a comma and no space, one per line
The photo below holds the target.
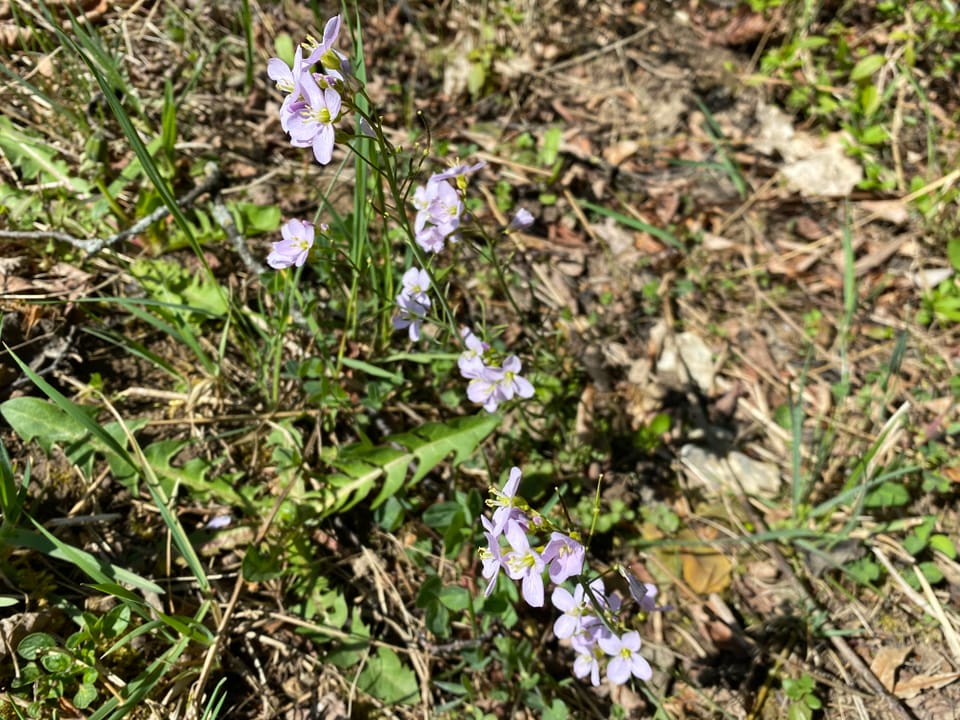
56,661
34,644
436,615
257,219
361,467
8,601
866,67
869,102
36,158
84,696
931,571
284,46
888,494
550,149
389,680
455,597
873,135
35,418
944,544
953,253
916,541
260,567
442,515
98,570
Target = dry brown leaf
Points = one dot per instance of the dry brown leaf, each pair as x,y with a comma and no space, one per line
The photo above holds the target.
893,211
914,686
618,152
886,663
706,572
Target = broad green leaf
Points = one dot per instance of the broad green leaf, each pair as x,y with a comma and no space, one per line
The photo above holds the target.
888,494
866,67
34,644
56,661
34,418
953,253
362,467
389,680
943,544
84,696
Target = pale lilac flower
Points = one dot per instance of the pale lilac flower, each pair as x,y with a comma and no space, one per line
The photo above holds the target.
439,207
626,659
511,383
577,608
564,556
431,238
411,315
415,283
644,593
505,501
218,522
525,564
288,81
366,128
492,556
313,124
457,171
325,53
484,389
521,220
295,246
589,655
470,362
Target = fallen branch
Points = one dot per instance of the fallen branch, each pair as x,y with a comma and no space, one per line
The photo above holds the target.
94,245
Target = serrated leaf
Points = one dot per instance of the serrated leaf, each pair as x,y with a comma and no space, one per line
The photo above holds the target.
360,467
34,418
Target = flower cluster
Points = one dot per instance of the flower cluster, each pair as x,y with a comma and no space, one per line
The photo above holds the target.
412,302
590,618
492,381
439,207
317,88
314,101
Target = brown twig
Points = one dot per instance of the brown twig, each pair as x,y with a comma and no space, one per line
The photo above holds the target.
94,245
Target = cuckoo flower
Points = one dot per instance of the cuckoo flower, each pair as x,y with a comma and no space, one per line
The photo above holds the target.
492,556
457,172
588,653
564,555
626,659
470,362
578,610
508,511
294,247
324,52
525,564
288,81
412,302
313,124
521,220
510,383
